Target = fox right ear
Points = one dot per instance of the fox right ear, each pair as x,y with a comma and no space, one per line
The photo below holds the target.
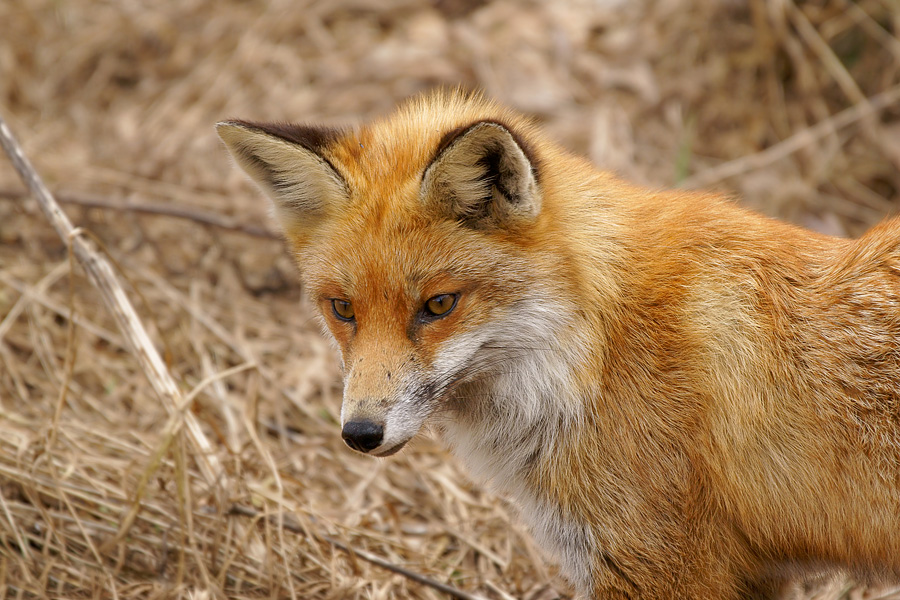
286,163
483,176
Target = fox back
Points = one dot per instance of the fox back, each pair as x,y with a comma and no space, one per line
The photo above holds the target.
685,399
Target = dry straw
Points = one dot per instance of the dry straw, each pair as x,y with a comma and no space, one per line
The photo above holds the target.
106,488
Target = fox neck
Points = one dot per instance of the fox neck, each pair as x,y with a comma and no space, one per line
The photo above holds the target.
502,435
505,426
502,423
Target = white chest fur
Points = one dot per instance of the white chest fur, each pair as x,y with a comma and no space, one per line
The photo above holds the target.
504,422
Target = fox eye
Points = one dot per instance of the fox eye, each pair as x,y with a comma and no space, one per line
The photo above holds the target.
440,305
343,310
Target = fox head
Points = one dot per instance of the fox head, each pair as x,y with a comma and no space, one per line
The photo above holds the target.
419,239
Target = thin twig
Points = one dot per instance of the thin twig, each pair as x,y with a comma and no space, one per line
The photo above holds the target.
834,67
497,590
872,27
796,142
104,279
153,208
169,432
38,294
42,286
71,353
826,55
245,511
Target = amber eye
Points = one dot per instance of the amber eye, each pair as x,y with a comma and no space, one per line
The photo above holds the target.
440,305
343,310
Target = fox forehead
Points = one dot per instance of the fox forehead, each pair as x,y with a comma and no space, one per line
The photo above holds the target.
402,257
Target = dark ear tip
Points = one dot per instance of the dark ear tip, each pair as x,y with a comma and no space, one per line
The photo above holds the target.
241,125
312,138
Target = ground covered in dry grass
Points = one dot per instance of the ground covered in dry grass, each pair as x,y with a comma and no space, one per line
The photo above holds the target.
795,106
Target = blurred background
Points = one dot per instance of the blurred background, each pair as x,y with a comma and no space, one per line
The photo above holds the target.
793,106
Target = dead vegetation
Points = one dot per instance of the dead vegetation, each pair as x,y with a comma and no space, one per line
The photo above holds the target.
794,105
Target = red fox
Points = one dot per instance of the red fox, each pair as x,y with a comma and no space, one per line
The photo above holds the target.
685,399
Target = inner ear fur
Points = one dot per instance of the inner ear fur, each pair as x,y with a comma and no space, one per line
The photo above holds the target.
482,176
286,162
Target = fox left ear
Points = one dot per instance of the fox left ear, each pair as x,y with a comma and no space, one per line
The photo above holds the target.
482,176
287,163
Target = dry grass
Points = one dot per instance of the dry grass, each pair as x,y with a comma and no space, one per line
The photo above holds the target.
115,101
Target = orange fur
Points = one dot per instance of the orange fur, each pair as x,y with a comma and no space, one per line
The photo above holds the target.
687,399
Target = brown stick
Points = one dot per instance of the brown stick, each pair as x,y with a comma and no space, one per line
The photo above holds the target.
102,276
239,509
154,208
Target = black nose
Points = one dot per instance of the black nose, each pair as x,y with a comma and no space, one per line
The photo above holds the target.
363,435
